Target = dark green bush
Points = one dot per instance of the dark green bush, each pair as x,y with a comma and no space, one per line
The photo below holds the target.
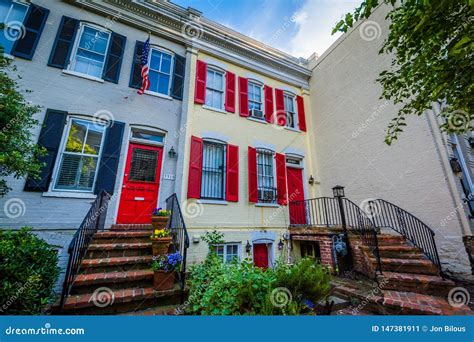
28,273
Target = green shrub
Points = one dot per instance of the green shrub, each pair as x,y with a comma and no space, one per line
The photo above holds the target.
28,272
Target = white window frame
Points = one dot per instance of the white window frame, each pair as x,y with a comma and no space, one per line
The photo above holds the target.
224,179
59,158
295,110
72,61
171,54
222,91
145,141
258,85
224,245
6,19
260,150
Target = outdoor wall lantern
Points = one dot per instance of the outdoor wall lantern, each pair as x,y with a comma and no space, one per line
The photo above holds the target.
280,245
311,180
470,140
338,191
248,247
455,166
172,153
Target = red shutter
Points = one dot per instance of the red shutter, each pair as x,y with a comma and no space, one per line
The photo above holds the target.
301,115
200,90
243,96
253,192
281,178
232,175
280,108
268,91
230,92
195,168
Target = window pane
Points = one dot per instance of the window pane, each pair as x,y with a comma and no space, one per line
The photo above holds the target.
212,182
17,13
68,171
163,84
143,165
166,64
155,60
153,77
94,40
87,173
77,134
4,8
145,135
94,138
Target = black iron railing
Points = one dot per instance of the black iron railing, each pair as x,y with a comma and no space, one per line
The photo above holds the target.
94,220
326,212
178,230
388,215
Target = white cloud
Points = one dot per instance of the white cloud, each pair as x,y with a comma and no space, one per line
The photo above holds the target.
314,21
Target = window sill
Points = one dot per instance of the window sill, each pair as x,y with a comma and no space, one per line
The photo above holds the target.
152,93
69,194
209,201
297,130
218,110
267,205
257,120
87,77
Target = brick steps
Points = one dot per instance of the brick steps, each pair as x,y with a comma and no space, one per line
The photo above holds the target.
113,280
416,266
391,240
107,237
402,251
108,250
128,263
409,282
131,227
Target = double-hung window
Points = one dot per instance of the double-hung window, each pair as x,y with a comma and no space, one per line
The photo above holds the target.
255,100
267,192
291,117
215,88
213,170
228,252
160,65
80,156
91,47
12,14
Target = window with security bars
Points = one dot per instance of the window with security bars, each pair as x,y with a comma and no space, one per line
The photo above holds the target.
143,165
80,156
215,89
228,252
267,192
289,102
213,171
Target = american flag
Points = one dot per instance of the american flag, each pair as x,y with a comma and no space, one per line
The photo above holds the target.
144,64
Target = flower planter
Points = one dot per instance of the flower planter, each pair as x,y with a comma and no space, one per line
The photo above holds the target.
159,222
160,246
163,280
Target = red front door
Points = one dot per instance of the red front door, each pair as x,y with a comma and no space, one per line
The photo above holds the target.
260,255
296,193
141,182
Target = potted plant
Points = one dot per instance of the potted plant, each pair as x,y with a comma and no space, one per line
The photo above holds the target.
159,218
160,241
164,268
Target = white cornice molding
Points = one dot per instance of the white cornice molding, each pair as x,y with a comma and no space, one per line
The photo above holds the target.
167,20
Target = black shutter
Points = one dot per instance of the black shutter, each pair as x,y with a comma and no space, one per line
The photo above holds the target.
34,23
178,77
113,62
109,160
63,43
136,74
49,138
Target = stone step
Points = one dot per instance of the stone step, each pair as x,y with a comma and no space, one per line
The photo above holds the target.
108,250
131,227
418,266
115,264
122,236
85,283
107,301
402,251
391,240
428,284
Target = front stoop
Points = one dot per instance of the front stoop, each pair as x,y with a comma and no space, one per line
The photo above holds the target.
115,277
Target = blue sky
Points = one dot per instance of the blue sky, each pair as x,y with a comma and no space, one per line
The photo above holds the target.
299,27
